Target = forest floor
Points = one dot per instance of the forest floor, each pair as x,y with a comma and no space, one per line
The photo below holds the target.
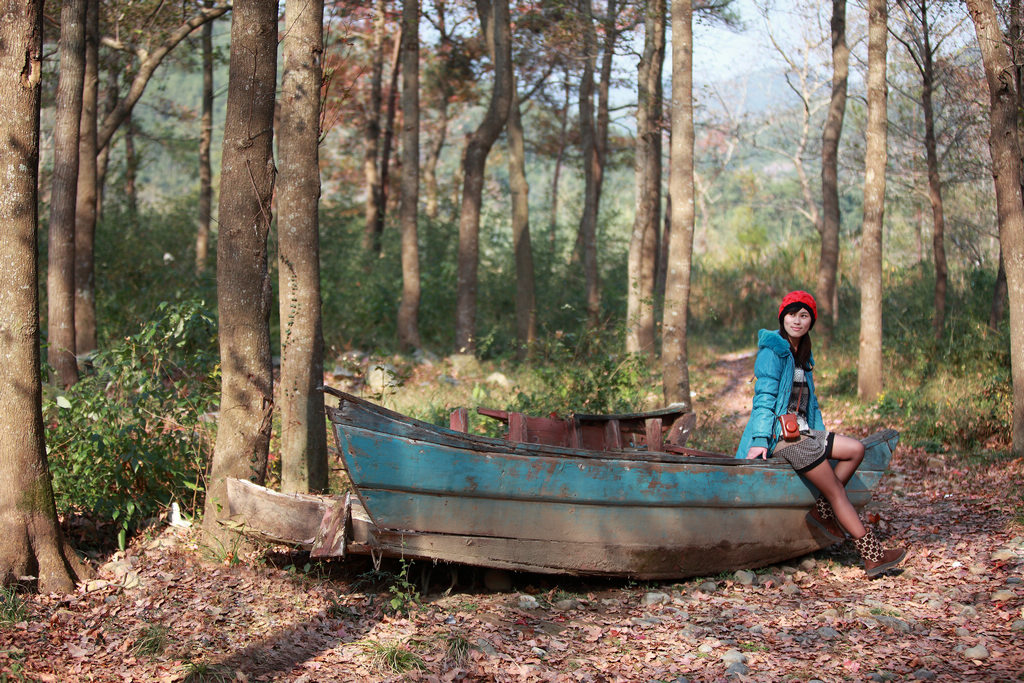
168,609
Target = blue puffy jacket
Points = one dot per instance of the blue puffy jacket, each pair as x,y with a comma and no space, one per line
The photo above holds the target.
773,370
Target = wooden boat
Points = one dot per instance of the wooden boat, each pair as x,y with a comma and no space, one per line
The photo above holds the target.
641,506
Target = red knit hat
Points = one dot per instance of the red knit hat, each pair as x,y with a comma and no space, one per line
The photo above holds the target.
796,300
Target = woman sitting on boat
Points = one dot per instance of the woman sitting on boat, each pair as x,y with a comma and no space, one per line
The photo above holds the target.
783,371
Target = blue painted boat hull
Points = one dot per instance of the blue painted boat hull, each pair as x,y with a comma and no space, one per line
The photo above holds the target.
431,492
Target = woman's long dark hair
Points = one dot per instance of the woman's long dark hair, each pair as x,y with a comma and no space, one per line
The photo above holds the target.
802,354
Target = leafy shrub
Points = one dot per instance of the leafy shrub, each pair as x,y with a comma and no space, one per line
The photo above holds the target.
129,438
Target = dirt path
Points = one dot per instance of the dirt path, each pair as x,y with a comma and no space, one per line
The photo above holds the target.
167,610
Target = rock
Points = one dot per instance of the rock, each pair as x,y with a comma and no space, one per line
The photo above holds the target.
528,602
1003,596
1004,554
1017,625
924,675
95,585
485,646
498,580
968,611
655,598
464,364
646,621
977,652
830,614
744,577
894,623
540,652
708,587
499,379
787,570
936,463
733,657
977,569
1014,580
808,564
706,648
567,604
791,589
381,376
737,670
118,568
962,632
827,633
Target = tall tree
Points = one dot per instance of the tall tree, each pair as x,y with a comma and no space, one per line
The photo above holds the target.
303,431
828,262
674,357
917,37
33,544
243,281
372,131
526,306
85,198
643,243
1006,155
60,272
205,145
869,364
587,239
409,307
496,29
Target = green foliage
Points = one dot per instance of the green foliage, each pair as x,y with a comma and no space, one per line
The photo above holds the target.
394,657
404,595
12,607
130,437
151,641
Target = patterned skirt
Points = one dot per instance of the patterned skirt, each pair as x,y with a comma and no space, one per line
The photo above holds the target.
803,454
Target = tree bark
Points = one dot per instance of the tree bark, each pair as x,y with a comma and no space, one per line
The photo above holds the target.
1006,155
587,240
869,364
828,262
33,544
674,358
526,306
60,272
243,283
205,145
85,197
495,25
556,174
371,133
303,430
409,307
387,142
131,164
643,245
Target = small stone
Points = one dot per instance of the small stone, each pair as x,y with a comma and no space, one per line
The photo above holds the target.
528,602
808,564
968,611
540,652
499,379
934,604
734,656
924,675
976,652
830,614
485,646
791,589
962,632
757,629
744,577
1003,596
655,598
787,570
977,569
738,669
1017,625
708,587
705,648
1014,580
567,604
646,621
826,633
1004,554
892,622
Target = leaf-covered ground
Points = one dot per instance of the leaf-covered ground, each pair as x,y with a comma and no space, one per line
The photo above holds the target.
167,610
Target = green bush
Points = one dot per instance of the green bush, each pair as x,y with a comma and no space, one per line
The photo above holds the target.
130,438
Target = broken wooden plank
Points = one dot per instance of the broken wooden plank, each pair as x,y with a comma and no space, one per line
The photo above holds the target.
335,529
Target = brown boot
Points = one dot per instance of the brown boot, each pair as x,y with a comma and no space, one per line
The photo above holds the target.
824,519
876,558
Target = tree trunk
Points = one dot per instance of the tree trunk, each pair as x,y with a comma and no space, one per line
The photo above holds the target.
205,144
999,296
556,174
303,430
60,273
526,306
243,283
587,239
869,364
828,262
495,25
934,184
643,245
85,197
33,545
674,358
371,133
386,143
434,148
1005,148
409,307
131,164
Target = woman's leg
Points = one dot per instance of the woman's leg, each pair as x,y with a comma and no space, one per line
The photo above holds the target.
848,454
826,481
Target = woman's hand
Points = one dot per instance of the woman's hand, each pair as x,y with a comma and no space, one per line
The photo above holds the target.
757,452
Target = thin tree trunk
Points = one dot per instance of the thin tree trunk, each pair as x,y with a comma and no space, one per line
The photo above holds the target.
386,143
556,174
526,307
934,184
1006,156
674,355
587,236
869,364
205,144
243,281
85,197
371,132
999,296
434,148
409,307
495,26
33,544
303,431
131,164
828,262
60,274
643,245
